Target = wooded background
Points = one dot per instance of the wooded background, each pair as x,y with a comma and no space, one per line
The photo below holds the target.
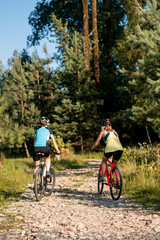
109,67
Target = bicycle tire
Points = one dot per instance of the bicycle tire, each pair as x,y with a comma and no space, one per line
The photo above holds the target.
100,187
100,184
116,183
38,188
49,184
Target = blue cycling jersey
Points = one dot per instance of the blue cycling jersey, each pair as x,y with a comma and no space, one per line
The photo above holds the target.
42,135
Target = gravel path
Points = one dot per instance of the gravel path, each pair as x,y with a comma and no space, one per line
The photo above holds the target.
75,211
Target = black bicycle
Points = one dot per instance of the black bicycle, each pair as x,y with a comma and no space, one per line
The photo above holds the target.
43,185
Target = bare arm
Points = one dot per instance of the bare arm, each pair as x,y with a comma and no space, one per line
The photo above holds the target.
97,140
55,145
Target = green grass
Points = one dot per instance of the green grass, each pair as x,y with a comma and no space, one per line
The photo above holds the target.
9,222
71,163
15,175
85,174
141,176
18,173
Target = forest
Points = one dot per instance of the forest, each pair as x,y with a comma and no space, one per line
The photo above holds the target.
108,53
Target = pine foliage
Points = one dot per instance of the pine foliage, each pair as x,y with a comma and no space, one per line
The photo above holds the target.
77,109
17,107
145,78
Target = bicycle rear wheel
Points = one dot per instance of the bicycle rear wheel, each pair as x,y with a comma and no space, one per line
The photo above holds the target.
49,184
116,183
38,188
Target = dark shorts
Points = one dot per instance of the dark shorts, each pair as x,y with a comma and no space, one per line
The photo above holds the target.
116,154
45,150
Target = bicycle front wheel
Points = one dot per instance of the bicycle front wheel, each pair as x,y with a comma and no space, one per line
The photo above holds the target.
49,184
116,183
38,188
100,184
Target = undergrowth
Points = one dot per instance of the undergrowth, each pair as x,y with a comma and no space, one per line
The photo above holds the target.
15,175
140,169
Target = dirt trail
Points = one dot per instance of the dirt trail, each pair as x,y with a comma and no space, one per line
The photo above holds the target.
75,211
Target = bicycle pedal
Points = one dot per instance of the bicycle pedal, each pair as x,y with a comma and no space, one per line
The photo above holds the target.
49,179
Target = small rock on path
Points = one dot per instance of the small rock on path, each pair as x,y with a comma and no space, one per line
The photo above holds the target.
76,211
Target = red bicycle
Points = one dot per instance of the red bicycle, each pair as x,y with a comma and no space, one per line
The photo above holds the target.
113,179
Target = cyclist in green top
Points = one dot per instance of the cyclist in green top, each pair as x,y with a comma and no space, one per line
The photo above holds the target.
113,146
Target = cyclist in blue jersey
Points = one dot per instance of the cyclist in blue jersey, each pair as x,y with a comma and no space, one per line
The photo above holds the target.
42,135
113,146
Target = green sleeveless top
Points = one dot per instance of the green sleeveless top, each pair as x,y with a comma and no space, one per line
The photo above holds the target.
112,142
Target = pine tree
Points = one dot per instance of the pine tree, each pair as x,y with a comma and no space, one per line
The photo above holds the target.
145,76
42,82
18,111
78,106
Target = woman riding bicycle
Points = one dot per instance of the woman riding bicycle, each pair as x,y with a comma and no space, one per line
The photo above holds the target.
113,146
42,135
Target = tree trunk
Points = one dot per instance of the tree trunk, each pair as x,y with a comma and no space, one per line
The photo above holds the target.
95,43
108,38
86,34
149,139
81,143
37,78
23,110
81,135
26,148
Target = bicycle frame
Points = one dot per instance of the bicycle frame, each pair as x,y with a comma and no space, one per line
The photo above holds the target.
109,175
43,166
114,180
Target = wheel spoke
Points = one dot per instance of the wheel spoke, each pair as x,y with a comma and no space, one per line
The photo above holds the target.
38,188
100,184
49,184
116,183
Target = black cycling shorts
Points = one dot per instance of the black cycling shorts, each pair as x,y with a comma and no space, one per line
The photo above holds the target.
116,154
46,150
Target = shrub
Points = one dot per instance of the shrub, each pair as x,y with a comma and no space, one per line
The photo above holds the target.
140,169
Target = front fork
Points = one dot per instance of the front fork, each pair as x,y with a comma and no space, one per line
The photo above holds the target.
44,172
107,174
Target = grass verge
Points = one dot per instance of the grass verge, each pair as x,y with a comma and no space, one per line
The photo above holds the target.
141,176
17,174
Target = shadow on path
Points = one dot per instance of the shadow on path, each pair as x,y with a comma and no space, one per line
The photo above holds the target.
87,197
93,199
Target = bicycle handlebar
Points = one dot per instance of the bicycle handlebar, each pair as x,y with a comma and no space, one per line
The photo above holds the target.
54,151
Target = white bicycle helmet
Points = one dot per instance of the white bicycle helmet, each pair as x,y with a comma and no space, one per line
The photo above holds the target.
44,120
